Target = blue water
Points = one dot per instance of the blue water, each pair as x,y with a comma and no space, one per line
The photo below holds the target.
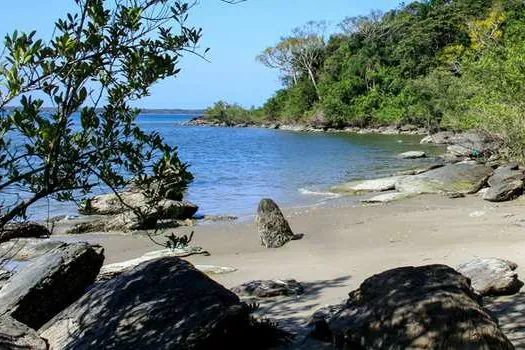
235,167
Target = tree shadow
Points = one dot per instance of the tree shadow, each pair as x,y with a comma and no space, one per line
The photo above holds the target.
510,312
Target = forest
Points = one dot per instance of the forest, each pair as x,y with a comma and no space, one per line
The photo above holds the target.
442,65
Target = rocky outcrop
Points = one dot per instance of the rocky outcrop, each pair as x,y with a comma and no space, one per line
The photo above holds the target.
503,174
462,178
473,142
412,155
273,228
428,307
387,197
23,250
269,288
111,204
504,191
374,185
49,283
17,336
161,304
492,276
23,230
440,138
421,170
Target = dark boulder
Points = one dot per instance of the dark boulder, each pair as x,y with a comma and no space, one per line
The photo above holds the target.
161,304
428,307
504,191
273,228
23,230
51,282
17,336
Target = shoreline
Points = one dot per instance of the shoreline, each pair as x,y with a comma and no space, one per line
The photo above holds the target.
344,245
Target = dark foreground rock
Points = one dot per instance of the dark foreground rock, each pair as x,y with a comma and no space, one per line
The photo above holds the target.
162,304
492,276
269,288
504,191
461,178
428,307
49,283
17,336
273,228
23,230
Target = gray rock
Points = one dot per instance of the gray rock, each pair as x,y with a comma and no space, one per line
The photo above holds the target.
374,185
110,204
23,230
439,138
162,304
478,141
502,175
459,151
15,335
421,170
273,228
461,178
49,283
23,250
428,307
492,276
269,288
387,197
450,158
412,155
504,191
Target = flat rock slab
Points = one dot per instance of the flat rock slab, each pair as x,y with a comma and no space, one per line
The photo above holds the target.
269,288
492,276
412,155
161,304
427,307
113,270
374,185
387,197
420,170
51,282
461,178
16,335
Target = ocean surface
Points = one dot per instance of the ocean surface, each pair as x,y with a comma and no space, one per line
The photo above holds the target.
235,167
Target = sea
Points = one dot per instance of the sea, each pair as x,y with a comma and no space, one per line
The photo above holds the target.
234,168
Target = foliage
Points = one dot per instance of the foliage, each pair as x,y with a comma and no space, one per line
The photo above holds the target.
175,242
100,58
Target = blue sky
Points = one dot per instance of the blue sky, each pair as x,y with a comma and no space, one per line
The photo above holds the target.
235,34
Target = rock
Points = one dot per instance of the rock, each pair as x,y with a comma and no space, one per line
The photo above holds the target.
479,142
455,195
462,178
15,335
428,307
161,304
421,170
459,151
23,230
492,276
113,270
504,191
439,138
450,158
4,277
412,155
273,228
387,197
269,288
374,185
110,204
49,283
23,250
215,270
503,175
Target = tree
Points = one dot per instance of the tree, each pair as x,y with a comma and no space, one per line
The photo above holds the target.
100,58
281,57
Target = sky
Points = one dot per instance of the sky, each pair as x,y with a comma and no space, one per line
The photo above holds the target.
235,35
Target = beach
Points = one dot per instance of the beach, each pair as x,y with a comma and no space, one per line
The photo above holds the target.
345,244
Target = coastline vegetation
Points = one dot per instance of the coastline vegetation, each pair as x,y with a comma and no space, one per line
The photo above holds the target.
437,64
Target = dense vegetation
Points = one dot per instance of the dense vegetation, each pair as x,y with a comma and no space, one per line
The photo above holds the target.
453,64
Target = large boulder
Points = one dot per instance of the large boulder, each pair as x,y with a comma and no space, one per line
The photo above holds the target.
503,174
273,228
49,283
112,204
492,276
462,178
161,304
504,191
269,288
439,138
412,155
428,307
15,335
480,143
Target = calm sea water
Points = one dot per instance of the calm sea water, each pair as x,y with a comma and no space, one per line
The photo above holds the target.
235,167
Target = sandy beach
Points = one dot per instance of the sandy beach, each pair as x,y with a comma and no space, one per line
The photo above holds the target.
343,245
